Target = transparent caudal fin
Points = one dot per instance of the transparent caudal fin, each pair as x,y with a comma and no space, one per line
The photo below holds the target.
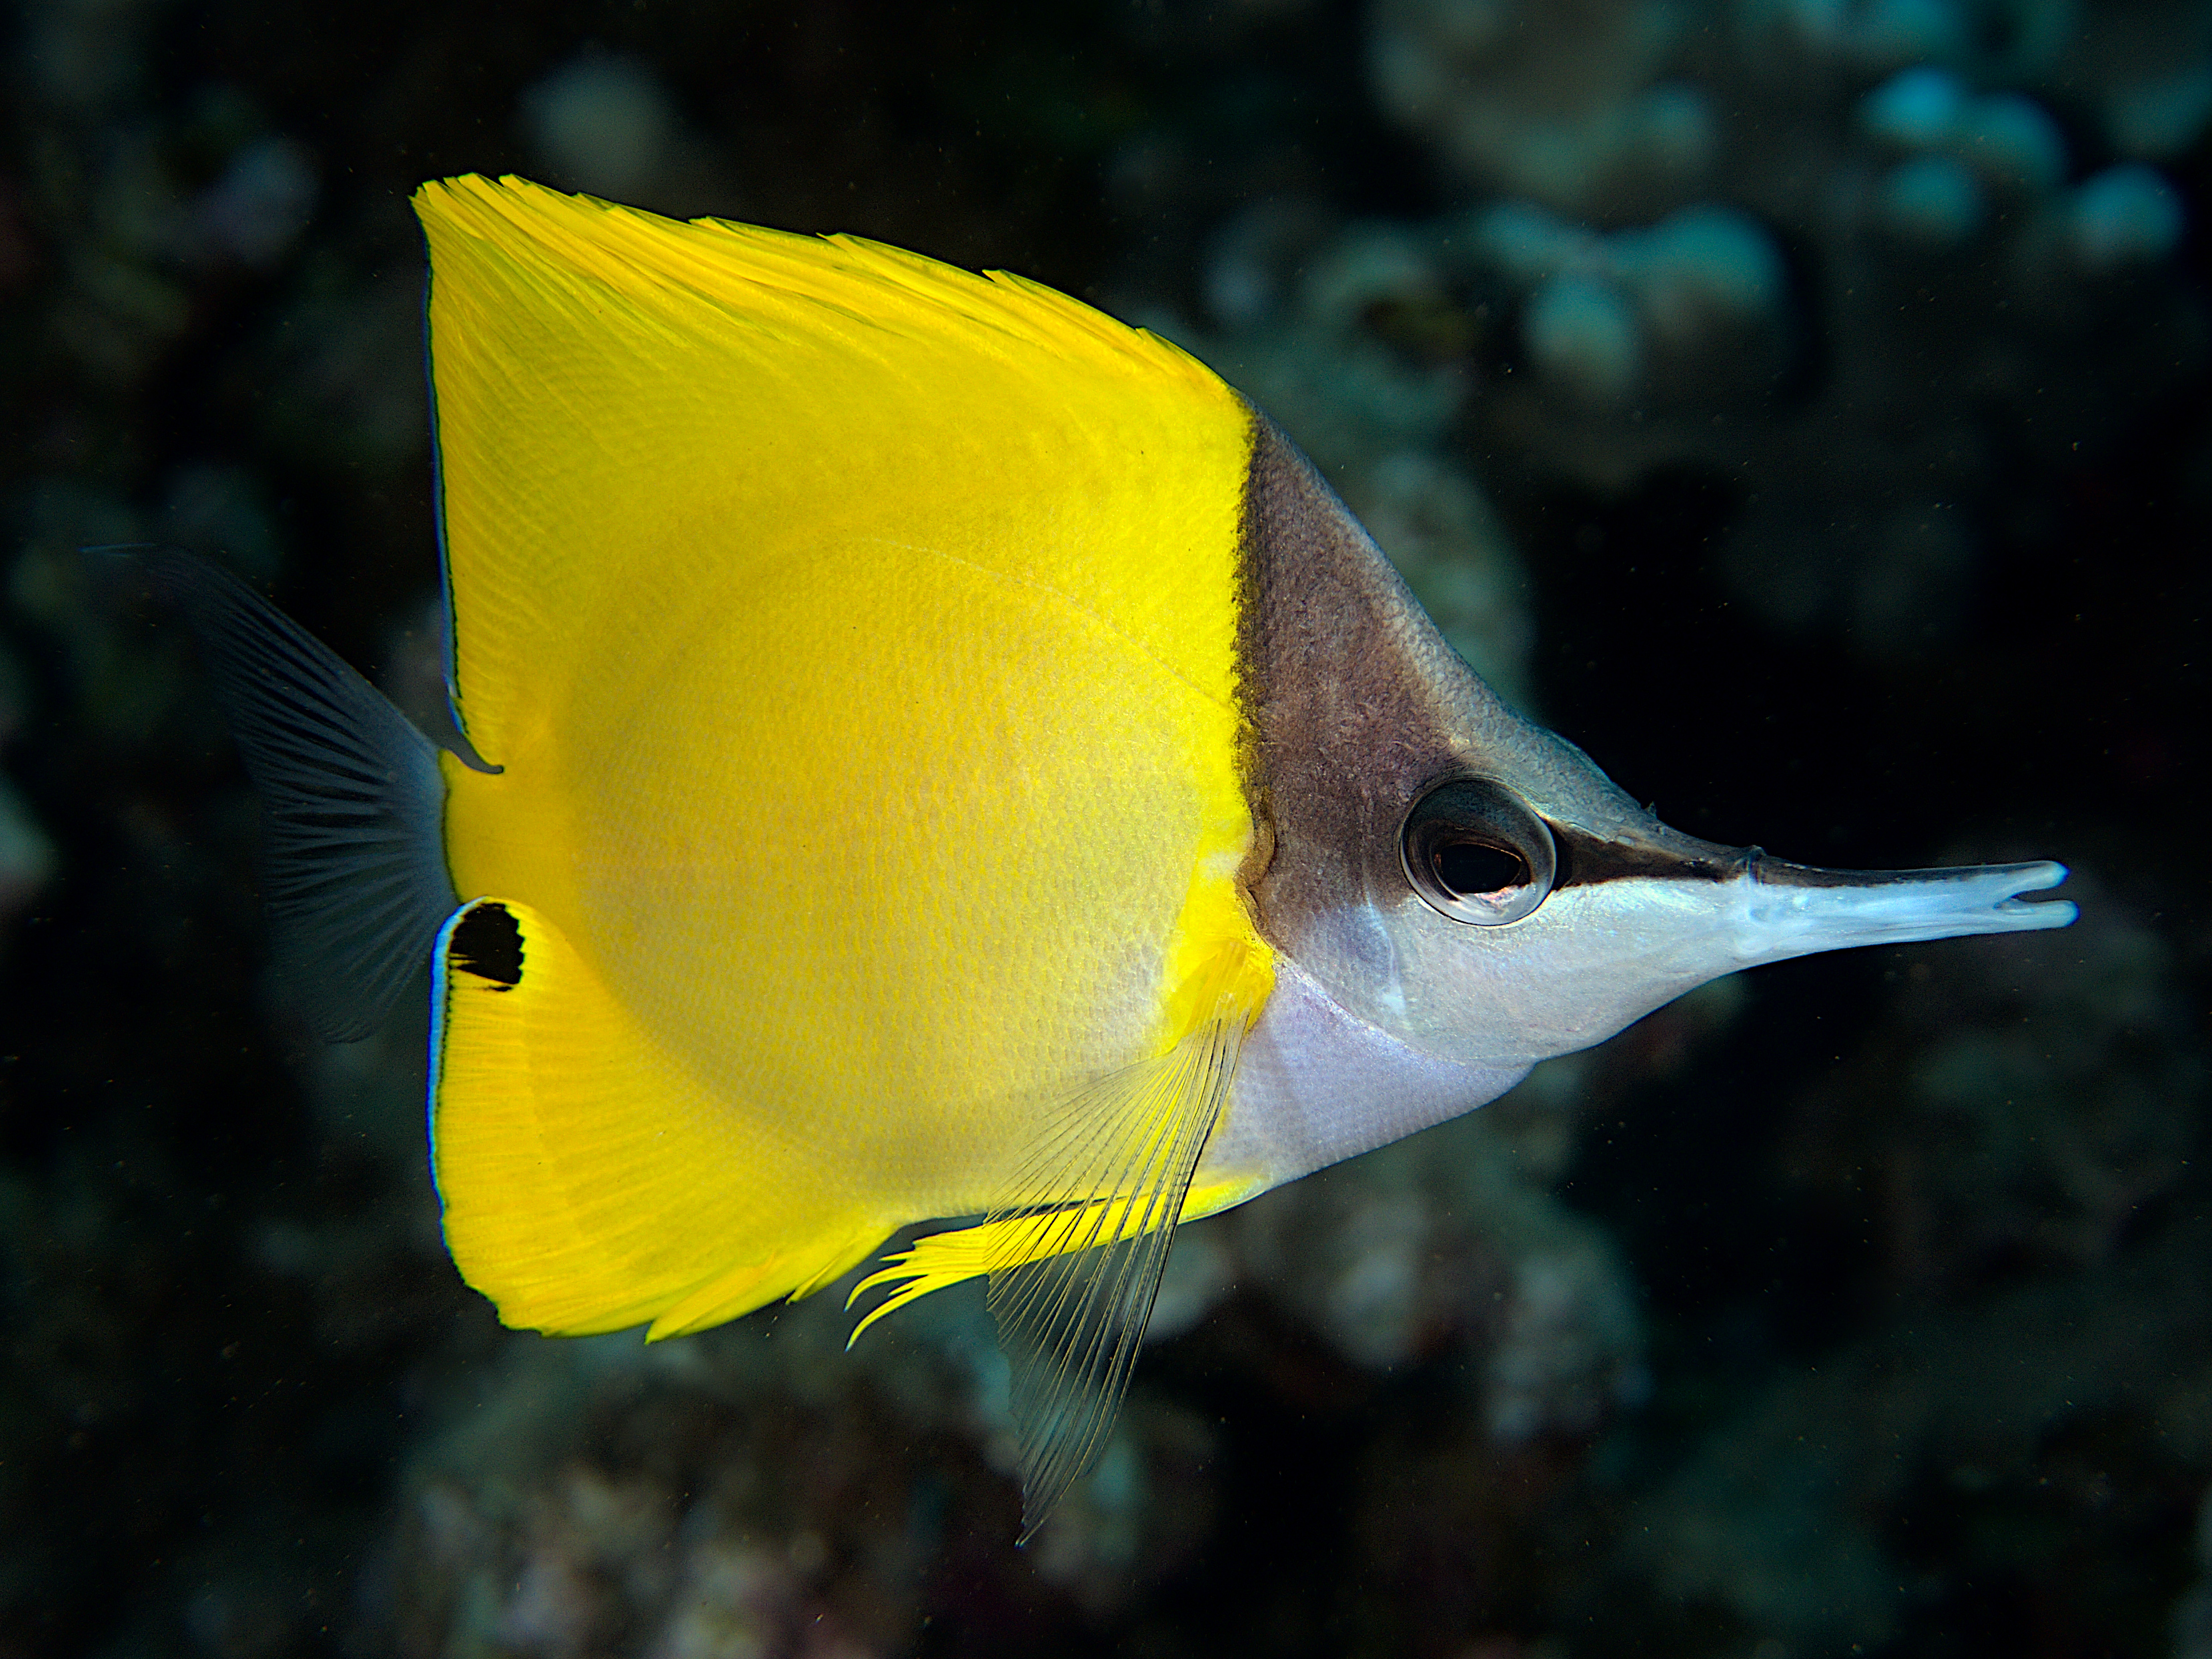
353,865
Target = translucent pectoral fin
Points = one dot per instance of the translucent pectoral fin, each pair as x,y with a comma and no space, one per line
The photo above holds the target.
1075,1253
1071,1317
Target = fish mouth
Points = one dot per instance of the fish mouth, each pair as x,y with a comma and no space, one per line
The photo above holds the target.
1794,908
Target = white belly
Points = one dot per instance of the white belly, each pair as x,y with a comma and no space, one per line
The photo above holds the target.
1315,1086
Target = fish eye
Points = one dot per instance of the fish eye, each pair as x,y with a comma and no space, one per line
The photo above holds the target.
1476,852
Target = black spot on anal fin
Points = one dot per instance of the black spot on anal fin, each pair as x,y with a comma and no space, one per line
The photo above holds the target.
488,943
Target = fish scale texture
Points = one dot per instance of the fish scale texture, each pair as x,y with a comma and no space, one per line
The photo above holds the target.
858,639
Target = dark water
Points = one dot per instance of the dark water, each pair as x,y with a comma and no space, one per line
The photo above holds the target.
1861,1306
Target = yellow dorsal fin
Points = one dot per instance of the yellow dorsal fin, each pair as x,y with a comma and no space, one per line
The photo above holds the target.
616,390
1075,1250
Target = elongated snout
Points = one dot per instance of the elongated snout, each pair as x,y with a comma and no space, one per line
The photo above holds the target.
1786,910
1637,924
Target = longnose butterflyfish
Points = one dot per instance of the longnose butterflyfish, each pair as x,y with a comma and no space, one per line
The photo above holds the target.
922,750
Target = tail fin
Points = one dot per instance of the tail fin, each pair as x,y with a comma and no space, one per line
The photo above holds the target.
352,852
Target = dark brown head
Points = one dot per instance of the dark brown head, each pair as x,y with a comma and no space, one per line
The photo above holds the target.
1463,880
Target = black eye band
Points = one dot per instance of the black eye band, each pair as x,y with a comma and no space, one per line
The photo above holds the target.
1476,852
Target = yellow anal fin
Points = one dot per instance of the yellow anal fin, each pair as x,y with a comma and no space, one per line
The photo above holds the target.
588,1182
1076,1251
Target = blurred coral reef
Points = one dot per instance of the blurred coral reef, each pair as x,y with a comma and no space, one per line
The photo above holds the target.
1798,403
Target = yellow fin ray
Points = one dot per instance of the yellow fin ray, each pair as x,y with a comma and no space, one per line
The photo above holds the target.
936,1261
589,1184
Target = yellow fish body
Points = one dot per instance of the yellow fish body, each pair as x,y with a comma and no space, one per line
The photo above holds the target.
926,750
869,730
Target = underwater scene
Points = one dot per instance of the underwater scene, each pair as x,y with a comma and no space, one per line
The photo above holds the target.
1800,406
